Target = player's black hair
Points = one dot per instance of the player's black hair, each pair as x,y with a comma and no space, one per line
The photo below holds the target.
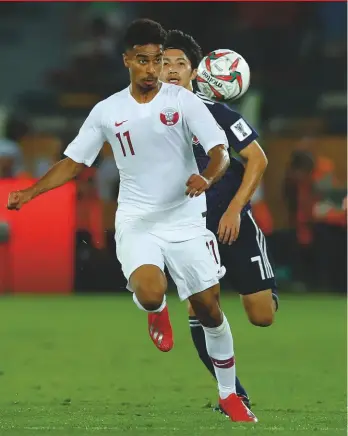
142,32
182,41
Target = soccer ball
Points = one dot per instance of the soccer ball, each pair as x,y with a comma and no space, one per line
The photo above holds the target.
223,75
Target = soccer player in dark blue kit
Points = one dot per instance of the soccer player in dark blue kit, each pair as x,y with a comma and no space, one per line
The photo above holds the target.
242,245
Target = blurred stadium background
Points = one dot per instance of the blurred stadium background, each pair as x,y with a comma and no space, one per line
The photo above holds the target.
57,61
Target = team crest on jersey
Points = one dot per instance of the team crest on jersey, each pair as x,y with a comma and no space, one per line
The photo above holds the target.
169,116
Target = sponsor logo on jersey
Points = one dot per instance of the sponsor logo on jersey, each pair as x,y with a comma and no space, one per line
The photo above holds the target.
120,124
169,116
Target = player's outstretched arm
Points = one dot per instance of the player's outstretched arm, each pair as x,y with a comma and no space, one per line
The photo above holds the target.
256,163
82,151
61,173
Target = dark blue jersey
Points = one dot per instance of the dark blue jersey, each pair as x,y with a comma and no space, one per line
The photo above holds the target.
239,134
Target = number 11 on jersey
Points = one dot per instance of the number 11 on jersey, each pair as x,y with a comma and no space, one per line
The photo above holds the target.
130,145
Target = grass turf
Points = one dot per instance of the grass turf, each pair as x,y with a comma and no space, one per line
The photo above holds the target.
84,365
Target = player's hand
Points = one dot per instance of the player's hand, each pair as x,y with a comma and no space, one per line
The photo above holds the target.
229,226
16,199
197,184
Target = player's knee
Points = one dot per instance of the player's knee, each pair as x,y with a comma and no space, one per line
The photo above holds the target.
260,308
149,287
261,319
150,294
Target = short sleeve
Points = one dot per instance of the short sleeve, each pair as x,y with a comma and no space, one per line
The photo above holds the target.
201,122
90,139
238,131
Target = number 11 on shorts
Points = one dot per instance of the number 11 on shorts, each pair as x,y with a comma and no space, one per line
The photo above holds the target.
211,248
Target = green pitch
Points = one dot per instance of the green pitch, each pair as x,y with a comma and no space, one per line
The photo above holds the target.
85,365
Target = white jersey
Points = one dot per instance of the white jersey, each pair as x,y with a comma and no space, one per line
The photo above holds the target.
152,146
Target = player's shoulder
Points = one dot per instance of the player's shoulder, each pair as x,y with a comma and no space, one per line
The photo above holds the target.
205,99
179,97
104,106
118,96
219,110
175,91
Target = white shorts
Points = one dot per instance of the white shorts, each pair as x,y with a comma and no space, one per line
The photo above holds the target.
194,264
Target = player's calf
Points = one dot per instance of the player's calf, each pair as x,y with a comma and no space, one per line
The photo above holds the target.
198,338
218,336
219,343
205,305
260,308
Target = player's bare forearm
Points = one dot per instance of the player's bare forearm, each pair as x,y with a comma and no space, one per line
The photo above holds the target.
218,164
216,168
61,173
256,164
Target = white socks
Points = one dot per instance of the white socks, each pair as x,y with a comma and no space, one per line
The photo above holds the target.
138,304
220,349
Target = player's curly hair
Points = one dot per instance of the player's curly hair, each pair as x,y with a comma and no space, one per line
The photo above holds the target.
182,41
142,32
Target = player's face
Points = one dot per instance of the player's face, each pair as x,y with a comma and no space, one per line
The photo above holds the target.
177,68
145,65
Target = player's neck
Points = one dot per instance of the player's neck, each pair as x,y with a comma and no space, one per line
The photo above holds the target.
142,95
189,87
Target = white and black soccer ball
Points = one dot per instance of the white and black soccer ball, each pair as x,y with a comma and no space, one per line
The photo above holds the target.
223,75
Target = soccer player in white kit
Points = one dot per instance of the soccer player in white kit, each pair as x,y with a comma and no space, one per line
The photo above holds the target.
160,218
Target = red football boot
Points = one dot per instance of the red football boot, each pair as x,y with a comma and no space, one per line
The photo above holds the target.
234,407
160,330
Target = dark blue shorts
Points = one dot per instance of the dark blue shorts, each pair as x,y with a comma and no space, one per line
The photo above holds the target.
248,263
